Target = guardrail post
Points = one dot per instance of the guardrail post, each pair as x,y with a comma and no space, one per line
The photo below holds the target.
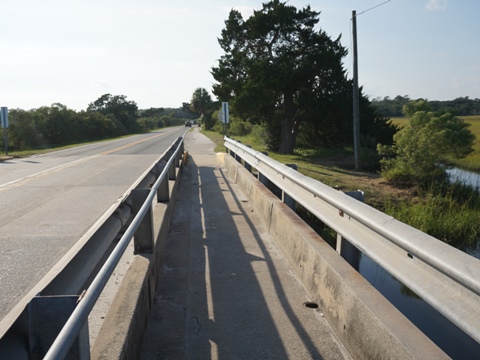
143,238
46,317
182,146
177,155
247,165
236,156
163,192
262,178
346,250
287,199
172,174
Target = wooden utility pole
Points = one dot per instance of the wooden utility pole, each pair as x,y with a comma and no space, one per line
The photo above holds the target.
356,106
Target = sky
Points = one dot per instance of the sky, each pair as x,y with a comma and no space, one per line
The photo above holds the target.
157,52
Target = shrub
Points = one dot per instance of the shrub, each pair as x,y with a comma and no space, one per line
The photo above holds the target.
427,141
266,137
240,128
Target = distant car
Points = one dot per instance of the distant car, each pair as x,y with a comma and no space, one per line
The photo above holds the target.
188,123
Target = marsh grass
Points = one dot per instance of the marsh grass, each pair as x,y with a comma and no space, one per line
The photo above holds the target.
452,217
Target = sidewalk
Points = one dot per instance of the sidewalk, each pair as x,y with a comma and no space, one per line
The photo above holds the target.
226,291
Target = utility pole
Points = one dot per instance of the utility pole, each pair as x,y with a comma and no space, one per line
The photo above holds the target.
356,106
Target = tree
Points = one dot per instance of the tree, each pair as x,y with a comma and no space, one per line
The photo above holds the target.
328,123
419,148
119,109
155,112
277,68
59,124
202,104
94,125
22,132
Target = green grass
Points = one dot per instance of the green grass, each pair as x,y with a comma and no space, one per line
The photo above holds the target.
334,168
447,218
472,161
453,219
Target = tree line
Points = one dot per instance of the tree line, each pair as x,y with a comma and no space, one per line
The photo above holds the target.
462,106
107,117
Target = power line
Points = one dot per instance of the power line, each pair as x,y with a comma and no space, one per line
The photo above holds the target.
363,12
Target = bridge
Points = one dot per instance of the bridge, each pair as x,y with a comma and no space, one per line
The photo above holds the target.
235,273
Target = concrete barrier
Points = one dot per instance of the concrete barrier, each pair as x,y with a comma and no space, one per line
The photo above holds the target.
121,335
367,324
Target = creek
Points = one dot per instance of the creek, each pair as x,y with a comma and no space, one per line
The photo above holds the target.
464,177
472,180
439,329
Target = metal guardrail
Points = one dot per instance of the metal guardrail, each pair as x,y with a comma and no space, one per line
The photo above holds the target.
446,278
70,312
74,324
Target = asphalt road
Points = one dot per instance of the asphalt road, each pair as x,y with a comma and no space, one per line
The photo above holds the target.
48,202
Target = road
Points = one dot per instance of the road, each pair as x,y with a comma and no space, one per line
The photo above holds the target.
48,202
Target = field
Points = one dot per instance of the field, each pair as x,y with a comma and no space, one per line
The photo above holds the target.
472,161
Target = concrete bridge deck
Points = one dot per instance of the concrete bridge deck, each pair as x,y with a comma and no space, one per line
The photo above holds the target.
226,291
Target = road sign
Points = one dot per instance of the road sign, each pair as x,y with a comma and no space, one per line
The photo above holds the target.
225,119
4,117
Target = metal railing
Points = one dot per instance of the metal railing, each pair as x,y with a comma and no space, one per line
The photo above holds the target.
75,309
68,334
446,278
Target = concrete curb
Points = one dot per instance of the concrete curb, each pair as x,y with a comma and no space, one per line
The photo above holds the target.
121,335
366,323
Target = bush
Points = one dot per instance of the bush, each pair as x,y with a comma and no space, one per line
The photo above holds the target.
146,124
369,159
240,128
218,127
266,137
428,140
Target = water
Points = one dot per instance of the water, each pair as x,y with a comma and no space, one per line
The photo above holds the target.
464,177
453,341
456,175
475,252
440,330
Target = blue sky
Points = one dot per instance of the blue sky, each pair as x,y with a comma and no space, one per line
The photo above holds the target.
157,52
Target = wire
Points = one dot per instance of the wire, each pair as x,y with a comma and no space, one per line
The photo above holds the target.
363,12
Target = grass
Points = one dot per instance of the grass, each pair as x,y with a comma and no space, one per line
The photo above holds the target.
448,218
472,161
334,168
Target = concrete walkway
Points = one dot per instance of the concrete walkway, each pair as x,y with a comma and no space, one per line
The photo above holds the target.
226,291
